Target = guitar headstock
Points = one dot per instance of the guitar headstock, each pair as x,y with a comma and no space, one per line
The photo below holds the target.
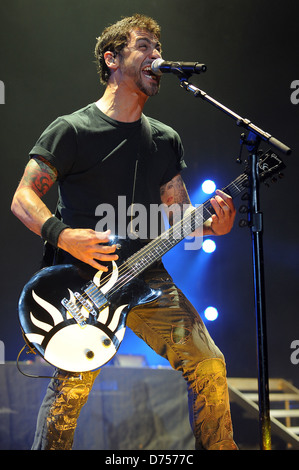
270,166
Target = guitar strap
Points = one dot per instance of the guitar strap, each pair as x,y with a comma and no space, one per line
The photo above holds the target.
145,147
147,144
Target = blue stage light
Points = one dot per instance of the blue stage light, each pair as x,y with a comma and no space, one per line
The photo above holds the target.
211,313
208,246
208,186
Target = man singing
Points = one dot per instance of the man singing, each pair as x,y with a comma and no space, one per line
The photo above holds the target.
96,155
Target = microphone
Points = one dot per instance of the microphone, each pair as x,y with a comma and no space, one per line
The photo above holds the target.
160,66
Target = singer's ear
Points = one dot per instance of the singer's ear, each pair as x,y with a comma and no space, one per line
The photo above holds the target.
110,60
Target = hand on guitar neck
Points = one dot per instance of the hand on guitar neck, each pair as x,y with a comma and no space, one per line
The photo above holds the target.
222,221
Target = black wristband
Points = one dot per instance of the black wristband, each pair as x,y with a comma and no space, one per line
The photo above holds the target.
51,230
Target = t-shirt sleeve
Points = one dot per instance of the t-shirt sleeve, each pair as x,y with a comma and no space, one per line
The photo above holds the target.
58,145
177,162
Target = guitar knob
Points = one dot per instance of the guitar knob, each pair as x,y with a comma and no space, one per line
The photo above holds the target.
90,354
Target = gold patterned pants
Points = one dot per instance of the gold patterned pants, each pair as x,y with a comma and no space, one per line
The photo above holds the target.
171,327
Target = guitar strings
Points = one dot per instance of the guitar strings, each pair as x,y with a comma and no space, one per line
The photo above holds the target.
148,249
126,270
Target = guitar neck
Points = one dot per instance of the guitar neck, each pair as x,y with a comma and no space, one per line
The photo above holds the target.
193,220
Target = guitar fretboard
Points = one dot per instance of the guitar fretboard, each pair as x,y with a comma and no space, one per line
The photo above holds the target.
158,247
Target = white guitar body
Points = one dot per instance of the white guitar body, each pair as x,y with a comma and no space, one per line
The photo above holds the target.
75,324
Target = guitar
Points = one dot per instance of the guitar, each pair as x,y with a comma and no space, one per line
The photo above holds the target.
75,316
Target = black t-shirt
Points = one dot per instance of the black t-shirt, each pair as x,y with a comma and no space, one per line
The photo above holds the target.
100,166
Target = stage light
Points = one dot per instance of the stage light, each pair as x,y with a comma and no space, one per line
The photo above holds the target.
208,186
208,246
211,313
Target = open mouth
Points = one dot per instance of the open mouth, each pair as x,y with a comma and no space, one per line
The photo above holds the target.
147,71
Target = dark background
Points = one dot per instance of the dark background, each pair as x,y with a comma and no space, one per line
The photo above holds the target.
251,51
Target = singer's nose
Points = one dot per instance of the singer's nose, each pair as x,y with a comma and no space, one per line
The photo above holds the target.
156,54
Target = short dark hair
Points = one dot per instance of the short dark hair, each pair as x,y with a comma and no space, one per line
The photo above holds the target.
115,37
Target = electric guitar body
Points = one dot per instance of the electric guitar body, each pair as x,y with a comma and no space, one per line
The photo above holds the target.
74,316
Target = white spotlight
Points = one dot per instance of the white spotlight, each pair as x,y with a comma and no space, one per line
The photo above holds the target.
208,186
211,313
208,246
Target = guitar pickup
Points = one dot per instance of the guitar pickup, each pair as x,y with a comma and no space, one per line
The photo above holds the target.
96,296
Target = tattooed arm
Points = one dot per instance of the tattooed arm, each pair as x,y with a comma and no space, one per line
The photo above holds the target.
84,244
174,194
27,205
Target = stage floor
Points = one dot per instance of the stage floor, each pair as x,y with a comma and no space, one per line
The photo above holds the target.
129,408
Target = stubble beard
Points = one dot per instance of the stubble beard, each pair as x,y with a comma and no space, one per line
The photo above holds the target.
150,88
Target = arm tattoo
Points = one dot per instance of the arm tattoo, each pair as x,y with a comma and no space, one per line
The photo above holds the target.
39,175
174,192
174,195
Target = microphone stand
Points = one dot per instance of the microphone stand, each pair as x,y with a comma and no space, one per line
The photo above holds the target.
256,225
